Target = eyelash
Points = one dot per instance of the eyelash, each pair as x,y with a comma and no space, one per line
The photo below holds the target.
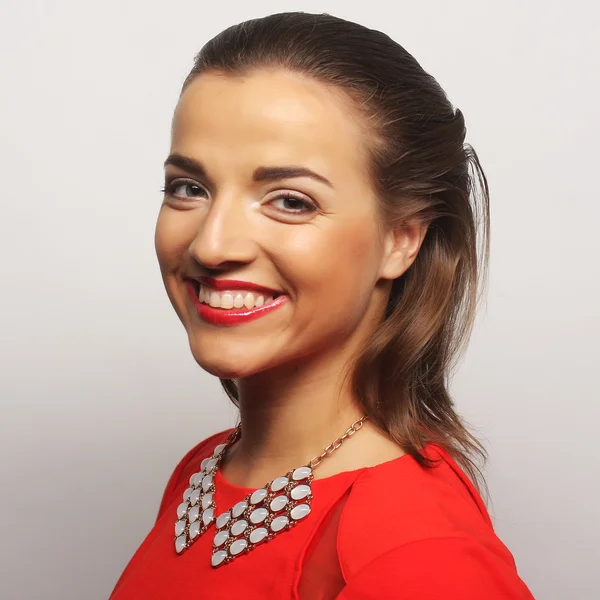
171,186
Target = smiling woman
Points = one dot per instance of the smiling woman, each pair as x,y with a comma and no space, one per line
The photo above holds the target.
322,236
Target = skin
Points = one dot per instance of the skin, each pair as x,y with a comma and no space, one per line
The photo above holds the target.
327,252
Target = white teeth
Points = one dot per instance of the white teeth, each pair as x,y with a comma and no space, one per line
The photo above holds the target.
238,301
227,300
231,299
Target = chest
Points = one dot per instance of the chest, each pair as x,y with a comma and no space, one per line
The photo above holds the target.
271,569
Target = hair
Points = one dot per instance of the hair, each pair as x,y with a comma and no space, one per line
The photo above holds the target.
421,168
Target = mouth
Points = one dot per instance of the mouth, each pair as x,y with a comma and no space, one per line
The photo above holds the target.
232,299
228,307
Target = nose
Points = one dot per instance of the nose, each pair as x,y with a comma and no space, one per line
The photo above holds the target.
225,235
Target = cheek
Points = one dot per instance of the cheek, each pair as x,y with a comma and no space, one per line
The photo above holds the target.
336,270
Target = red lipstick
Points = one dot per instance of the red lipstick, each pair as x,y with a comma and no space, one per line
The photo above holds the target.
233,316
235,284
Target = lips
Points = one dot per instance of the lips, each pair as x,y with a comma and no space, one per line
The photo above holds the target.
236,316
235,284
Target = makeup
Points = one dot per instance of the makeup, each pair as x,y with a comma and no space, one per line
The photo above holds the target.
231,316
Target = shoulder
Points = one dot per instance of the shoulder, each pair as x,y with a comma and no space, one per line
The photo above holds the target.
190,463
428,526
452,568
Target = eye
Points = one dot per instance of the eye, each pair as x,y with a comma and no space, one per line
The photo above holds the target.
291,202
296,204
190,188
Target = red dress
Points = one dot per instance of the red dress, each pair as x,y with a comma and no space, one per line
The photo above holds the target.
393,531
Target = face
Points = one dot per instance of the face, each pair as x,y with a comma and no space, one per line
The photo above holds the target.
308,232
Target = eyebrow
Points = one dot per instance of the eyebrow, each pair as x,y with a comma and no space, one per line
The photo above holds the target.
196,168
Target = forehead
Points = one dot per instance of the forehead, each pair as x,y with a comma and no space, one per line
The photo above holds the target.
270,118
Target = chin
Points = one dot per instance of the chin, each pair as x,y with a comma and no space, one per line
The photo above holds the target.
221,363
218,370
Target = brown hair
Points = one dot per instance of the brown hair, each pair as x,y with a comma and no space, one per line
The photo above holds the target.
420,166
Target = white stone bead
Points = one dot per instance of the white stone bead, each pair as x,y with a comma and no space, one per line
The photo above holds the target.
207,482
193,478
300,491
301,473
218,557
239,508
279,503
180,526
220,538
194,496
211,464
223,519
219,449
259,515
279,523
207,501
203,464
194,530
258,535
197,479
300,511
182,509
238,546
279,483
239,527
180,543
186,494
193,514
208,516
258,496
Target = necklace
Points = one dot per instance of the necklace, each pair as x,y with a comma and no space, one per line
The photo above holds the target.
261,516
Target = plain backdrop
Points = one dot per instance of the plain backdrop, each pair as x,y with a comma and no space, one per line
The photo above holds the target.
100,396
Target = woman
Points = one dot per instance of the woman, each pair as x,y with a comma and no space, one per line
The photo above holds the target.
321,240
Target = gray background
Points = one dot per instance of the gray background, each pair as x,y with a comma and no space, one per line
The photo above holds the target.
99,394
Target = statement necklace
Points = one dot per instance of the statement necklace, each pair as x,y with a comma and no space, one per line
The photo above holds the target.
259,517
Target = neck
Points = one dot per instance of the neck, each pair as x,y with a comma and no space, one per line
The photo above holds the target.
292,413
288,418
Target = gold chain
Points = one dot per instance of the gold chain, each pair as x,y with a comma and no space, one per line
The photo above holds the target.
233,436
337,443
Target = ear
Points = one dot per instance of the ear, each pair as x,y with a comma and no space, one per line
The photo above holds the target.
401,246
